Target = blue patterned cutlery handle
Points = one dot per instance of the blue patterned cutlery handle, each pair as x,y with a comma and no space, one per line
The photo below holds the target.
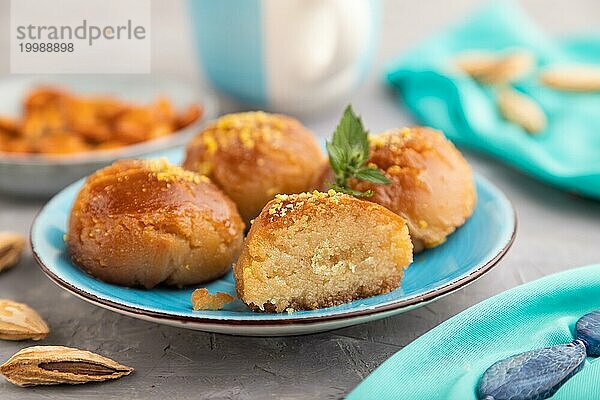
538,374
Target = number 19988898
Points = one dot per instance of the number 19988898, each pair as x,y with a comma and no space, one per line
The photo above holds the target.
46,47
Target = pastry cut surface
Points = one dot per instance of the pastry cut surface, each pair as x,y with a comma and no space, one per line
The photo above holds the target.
313,250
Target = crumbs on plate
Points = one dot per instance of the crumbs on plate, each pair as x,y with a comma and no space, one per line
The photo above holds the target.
203,300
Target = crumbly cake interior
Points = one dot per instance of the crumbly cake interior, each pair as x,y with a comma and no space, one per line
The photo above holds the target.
321,257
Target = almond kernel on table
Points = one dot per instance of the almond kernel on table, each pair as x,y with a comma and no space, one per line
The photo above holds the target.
20,322
521,110
496,68
53,365
577,78
11,248
203,300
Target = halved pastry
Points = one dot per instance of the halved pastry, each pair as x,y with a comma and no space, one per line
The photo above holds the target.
313,250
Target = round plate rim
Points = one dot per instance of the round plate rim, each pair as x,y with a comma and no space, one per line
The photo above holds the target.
412,302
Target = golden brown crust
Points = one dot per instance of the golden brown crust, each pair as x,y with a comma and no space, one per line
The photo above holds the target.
314,250
253,156
147,222
432,185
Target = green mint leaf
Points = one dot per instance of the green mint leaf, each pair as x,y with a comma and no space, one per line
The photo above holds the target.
373,175
336,160
348,152
350,135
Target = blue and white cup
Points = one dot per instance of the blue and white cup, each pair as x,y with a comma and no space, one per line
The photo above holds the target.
294,56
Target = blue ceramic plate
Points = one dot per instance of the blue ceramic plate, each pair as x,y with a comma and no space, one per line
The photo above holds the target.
470,252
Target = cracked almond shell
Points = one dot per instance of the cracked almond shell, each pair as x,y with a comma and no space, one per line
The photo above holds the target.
53,365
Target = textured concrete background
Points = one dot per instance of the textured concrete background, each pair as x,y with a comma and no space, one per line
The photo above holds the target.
556,232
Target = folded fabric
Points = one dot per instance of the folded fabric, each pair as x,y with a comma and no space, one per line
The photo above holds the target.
566,154
448,361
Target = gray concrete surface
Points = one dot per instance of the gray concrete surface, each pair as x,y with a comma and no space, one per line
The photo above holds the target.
557,231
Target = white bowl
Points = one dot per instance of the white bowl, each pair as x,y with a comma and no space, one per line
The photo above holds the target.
42,176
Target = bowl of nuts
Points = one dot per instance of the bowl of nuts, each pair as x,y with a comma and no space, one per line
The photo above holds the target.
53,132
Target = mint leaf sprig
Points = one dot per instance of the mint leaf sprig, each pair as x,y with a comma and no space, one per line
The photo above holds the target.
348,153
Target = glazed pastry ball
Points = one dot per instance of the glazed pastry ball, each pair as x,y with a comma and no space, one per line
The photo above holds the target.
141,223
254,155
432,184
312,250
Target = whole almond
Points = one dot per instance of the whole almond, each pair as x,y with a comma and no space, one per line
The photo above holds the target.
579,78
19,322
476,63
11,247
496,68
53,365
521,110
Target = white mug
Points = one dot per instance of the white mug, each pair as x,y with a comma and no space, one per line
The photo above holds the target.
294,56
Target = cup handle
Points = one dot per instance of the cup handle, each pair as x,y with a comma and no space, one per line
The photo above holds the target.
353,23
331,36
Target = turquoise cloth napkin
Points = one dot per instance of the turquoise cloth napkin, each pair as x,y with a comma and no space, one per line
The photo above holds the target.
447,362
566,155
